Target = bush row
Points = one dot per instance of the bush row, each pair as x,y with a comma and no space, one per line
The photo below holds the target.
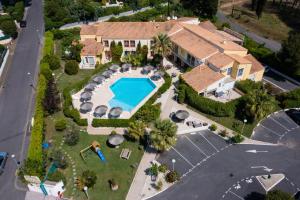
248,85
111,122
49,44
290,99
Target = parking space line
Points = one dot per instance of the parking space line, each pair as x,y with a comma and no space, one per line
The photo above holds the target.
210,143
236,195
288,119
195,145
183,157
270,130
277,122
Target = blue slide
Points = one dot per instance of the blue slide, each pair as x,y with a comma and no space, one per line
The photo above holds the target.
100,154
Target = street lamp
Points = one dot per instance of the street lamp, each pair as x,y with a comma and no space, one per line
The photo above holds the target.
173,162
13,156
245,121
85,189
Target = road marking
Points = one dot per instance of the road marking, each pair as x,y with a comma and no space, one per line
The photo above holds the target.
210,143
264,168
183,157
270,130
279,123
289,120
195,145
236,195
255,151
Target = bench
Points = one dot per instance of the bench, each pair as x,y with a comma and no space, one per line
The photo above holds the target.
125,154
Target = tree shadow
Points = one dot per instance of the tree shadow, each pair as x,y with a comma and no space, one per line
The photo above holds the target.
255,196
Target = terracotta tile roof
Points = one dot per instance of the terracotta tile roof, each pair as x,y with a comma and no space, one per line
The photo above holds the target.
240,59
88,30
199,78
214,38
208,25
129,30
256,65
220,60
91,47
228,36
193,44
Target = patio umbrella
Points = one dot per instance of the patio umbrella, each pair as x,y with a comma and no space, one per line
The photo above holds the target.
125,67
182,114
155,77
86,107
115,139
107,73
147,69
100,111
114,67
115,112
159,73
98,79
85,96
90,87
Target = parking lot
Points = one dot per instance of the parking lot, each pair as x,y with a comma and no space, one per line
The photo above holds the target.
193,149
250,189
274,128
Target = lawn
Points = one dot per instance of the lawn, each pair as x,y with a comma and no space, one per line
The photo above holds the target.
119,169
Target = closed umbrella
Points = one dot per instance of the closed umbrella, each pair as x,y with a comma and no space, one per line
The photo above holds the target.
98,79
115,139
159,73
90,87
100,111
115,112
107,74
125,67
114,67
86,96
182,114
147,69
86,107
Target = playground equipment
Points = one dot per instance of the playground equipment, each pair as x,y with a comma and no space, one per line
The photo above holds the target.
95,146
51,170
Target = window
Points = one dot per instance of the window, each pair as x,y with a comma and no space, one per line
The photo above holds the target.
90,60
229,70
240,72
105,43
132,43
126,43
191,60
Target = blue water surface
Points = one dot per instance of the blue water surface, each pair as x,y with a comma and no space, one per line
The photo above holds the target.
129,92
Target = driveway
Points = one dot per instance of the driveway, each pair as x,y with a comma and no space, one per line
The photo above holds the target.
279,81
228,171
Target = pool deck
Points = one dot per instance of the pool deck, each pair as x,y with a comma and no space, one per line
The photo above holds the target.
103,94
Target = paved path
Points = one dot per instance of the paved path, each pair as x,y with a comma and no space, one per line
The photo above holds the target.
270,44
17,97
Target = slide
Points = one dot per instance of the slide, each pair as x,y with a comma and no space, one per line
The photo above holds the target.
100,154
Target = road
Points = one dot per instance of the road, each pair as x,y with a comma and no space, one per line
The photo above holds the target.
17,98
270,44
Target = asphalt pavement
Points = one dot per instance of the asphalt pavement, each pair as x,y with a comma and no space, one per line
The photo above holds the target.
279,81
17,99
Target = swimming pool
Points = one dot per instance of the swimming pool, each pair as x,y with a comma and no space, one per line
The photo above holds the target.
129,92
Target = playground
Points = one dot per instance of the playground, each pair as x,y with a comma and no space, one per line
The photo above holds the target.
106,163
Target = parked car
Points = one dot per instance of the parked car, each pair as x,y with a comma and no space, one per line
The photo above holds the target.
294,114
3,158
23,23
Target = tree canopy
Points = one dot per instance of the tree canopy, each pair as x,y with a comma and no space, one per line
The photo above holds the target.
278,195
201,8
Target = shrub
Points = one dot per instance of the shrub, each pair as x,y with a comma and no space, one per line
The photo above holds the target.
9,28
53,60
72,137
181,94
159,185
163,168
223,133
59,159
110,122
71,67
60,124
148,113
153,170
248,85
89,178
57,176
49,44
45,70
30,167
213,127
172,176
290,99
237,138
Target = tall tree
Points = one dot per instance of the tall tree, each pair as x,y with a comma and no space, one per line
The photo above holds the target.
278,195
253,4
136,130
260,7
162,46
290,53
52,98
201,8
163,136
259,104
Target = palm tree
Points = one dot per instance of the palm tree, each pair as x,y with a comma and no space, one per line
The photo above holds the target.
259,104
163,136
136,129
162,46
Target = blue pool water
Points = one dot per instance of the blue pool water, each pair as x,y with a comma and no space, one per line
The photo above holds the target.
129,92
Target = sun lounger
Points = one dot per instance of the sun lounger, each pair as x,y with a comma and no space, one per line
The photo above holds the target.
125,154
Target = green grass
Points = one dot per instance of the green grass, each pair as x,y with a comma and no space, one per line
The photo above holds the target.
119,169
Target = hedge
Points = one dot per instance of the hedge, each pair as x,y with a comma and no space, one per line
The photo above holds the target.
111,122
49,44
248,85
35,152
290,99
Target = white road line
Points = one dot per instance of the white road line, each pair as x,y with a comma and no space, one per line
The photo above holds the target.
210,143
271,130
236,195
279,123
288,120
195,145
183,157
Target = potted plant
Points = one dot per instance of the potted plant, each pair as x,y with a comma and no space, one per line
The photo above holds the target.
153,172
113,185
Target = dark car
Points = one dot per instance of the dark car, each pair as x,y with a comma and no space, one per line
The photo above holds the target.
23,24
294,114
3,158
